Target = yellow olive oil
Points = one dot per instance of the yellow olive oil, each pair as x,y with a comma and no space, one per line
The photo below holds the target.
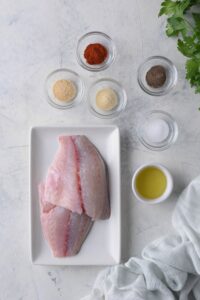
151,183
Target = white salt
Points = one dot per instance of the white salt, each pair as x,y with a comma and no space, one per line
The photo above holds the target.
156,131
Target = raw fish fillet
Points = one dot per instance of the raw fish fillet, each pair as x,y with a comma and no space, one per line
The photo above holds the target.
74,194
64,230
77,178
62,186
93,179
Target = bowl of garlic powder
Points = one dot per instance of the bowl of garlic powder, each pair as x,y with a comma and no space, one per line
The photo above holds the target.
65,88
106,98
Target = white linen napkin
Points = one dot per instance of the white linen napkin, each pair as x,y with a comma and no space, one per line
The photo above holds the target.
170,266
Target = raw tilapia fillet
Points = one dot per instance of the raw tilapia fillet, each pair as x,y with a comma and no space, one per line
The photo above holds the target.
77,178
64,230
74,194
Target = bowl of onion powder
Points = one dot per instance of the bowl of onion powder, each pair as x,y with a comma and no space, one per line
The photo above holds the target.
65,89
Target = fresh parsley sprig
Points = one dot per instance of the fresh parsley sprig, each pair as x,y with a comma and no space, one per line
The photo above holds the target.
185,24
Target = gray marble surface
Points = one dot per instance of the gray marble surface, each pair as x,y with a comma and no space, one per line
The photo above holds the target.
38,37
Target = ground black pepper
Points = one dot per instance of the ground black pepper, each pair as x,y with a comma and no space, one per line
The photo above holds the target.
156,76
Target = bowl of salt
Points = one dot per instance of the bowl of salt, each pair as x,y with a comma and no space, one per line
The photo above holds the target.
158,130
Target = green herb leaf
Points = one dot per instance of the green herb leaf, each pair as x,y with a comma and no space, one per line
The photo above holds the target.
187,27
167,7
176,25
193,73
197,20
188,46
176,8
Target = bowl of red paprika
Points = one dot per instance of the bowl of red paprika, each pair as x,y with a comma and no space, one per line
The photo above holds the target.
95,51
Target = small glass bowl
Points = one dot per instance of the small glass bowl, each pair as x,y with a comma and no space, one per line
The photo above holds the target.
67,75
91,38
171,136
103,84
171,75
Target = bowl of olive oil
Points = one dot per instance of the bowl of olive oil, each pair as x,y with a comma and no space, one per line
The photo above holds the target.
152,183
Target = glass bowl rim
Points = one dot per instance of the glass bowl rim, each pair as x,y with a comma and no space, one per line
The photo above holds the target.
104,66
72,103
172,140
169,88
115,113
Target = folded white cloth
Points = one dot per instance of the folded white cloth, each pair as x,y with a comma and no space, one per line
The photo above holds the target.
170,267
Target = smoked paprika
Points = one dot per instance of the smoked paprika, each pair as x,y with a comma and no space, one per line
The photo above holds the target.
95,54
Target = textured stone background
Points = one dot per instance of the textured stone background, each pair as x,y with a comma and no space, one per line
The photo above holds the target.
38,37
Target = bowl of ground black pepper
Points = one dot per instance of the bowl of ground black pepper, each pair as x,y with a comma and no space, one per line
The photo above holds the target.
157,75
95,51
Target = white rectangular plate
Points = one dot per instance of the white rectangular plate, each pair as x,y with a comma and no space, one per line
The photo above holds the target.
103,244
